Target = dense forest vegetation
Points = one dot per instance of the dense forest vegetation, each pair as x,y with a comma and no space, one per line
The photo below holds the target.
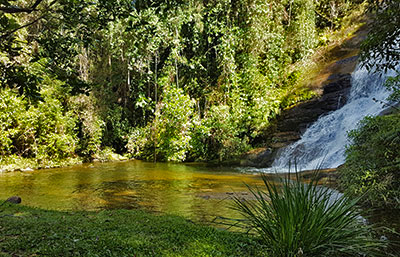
156,80
372,166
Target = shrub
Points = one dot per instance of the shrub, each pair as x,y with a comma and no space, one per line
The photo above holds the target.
12,109
298,219
139,145
221,134
89,124
42,131
167,137
54,125
373,161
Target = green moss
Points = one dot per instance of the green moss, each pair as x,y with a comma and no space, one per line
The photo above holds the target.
27,231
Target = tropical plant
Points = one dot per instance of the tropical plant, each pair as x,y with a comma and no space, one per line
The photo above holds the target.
43,131
380,50
167,138
373,161
297,219
118,65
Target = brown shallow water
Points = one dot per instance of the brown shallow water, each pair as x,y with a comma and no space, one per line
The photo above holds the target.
195,191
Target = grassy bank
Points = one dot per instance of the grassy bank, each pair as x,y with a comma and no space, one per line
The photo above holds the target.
26,231
17,163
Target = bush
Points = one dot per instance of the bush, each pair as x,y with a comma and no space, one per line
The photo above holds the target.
221,134
167,137
139,145
307,220
44,131
373,161
12,109
54,137
89,125
178,134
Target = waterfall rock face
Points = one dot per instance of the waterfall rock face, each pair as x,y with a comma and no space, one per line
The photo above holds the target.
292,123
334,97
323,143
332,85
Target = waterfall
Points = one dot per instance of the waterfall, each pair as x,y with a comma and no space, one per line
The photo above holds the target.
323,143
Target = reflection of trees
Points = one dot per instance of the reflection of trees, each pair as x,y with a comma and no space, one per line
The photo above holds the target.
167,188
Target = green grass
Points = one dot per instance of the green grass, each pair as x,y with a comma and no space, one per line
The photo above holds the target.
26,231
297,219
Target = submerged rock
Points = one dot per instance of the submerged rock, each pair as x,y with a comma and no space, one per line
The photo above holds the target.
260,157
26,169
14,199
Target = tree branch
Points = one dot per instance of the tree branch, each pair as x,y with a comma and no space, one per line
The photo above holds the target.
33,7
16,9
21,27
5,35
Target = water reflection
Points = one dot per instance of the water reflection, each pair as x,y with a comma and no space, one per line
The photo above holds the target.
196,191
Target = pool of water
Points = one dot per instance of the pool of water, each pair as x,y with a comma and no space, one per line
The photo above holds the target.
195,191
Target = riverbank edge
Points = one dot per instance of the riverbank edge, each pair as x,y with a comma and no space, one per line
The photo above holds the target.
28,231
20,164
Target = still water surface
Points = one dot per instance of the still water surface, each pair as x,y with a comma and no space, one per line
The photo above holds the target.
195,191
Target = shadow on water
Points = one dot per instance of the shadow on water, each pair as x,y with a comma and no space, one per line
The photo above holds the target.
389,220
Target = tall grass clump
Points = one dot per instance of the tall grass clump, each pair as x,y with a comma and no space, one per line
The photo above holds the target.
297,219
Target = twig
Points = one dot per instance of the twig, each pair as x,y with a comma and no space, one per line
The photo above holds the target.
5,35
385,104
17,9
21,27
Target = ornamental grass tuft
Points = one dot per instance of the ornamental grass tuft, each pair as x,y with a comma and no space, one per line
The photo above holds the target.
297,219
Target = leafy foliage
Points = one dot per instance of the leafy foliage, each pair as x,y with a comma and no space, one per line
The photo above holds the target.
381,48
380,51
224,134
89,124
121,65
169,133
44,131
296,219
373,161
393,84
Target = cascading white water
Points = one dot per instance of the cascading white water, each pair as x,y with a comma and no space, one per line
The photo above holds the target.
323,143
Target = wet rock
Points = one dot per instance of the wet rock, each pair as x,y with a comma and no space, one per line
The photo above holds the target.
14,199
342,81
351,60
293,122
299,117
395,108
26,169
260,157
282,139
